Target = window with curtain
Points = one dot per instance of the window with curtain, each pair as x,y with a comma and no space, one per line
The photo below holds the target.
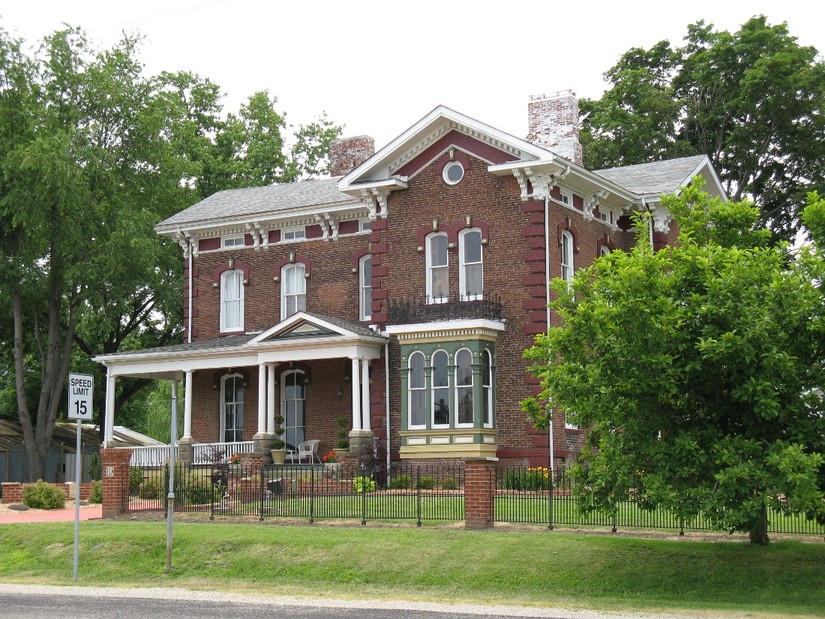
438,268
471,272
464,387
232,408
232,293
293,290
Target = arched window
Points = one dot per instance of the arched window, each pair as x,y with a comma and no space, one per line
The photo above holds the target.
567,256
232,292
232,408
293,397
365,287
438,268
487,382
441,389
471,272
293,290
417,391
464,387
603,251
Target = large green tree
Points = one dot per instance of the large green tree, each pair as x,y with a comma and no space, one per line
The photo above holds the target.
751,100
92,155
698,370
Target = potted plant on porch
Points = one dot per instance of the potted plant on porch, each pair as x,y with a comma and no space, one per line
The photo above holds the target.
278,450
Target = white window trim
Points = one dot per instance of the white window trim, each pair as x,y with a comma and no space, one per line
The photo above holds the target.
487,389
462,275
458,388
569,426
293,230
429,291
364,286
567,247
410,389
433,387
225,276
564,193
285,295
233,241
223,406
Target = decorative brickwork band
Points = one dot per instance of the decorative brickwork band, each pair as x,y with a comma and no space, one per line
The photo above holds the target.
116,470
479,493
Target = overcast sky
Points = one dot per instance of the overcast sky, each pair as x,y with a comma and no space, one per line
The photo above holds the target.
377,68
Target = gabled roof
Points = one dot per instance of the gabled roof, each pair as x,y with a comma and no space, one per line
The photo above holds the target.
253,203
440,121
663,177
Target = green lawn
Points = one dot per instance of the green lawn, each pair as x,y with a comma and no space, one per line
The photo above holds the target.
531,568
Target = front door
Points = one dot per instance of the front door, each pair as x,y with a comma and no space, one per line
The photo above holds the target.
294,396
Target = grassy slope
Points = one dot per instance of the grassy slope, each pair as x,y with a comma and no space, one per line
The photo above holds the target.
544,569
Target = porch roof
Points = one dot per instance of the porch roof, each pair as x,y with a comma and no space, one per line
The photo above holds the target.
300,337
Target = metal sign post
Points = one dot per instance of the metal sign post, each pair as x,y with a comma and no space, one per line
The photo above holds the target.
81,388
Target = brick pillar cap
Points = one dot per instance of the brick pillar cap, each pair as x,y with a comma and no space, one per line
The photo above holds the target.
485,459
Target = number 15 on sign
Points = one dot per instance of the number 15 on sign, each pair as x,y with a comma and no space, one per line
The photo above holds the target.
81,388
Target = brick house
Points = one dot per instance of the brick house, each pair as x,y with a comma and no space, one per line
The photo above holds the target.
396,298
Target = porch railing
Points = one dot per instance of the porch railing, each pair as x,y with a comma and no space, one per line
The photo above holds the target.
150,457
215,453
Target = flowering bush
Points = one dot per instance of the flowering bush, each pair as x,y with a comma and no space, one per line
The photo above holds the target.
235,458
330,457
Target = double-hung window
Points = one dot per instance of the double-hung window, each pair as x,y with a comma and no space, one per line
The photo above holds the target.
365,287
464,387
438,268
417,391
567,257
293,290
441,389
232,405
471,272
232,293
487,388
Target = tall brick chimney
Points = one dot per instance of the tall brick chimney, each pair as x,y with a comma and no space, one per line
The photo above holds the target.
553,123
345,154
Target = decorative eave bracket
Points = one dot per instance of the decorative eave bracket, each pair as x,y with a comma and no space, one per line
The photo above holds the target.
542,183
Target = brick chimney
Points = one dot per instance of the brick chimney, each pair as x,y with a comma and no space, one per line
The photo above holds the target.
553,123
345,154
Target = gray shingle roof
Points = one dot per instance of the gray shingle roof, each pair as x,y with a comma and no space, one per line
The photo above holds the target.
252,201
658,177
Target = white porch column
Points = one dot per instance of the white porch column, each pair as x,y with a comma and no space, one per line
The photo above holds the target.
356,394
270,400
187,406
365,394
262,409
108,431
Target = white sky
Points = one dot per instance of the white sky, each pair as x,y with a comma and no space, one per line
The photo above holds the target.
377,68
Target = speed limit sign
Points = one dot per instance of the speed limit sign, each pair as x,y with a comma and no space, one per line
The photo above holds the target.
81,387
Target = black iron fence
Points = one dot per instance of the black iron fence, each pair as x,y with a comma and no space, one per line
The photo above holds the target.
404,492
527,495
312,492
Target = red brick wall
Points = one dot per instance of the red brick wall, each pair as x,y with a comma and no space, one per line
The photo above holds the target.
479,493
116,469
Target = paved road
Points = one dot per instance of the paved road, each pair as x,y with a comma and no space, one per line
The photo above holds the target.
36,602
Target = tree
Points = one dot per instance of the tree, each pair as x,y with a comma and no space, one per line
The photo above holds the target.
698,370
752,101
92,155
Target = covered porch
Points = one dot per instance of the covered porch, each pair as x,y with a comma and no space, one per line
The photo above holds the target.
309,375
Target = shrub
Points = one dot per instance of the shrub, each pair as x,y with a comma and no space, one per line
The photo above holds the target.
536,478
449,484
97,492
95,467
199,493
427,483
150,489
363,485
44,496
135,479
400,482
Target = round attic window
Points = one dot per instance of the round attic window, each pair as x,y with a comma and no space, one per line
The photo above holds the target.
453,172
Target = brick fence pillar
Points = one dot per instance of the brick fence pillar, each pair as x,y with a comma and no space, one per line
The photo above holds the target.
12,492
479,493
116,469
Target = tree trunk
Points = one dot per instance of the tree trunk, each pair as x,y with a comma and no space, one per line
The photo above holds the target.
759,531
35,464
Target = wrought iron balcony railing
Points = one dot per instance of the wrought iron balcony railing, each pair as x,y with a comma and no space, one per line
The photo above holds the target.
454,307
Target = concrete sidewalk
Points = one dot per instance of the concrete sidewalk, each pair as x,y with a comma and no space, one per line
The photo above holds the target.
87,512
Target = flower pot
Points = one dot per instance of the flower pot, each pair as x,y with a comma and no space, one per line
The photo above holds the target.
278,456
